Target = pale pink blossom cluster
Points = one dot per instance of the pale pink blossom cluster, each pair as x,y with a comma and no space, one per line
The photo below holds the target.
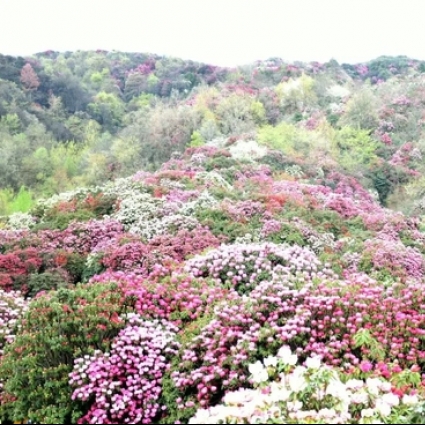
243,266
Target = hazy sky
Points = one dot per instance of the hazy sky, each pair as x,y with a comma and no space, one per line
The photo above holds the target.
221,32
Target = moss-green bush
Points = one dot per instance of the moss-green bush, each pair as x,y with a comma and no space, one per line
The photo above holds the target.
58,327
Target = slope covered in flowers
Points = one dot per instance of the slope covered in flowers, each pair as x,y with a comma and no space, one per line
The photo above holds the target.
218,288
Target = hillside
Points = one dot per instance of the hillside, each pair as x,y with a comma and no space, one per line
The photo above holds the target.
192,273
82,118
249,248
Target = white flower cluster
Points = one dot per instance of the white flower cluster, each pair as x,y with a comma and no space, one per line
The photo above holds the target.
338,91
247,150
311,393
215,178
12,307
294,170
122,186
144,215
139,212
20,221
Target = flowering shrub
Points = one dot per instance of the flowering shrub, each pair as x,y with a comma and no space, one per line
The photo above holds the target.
179,299
15,267
220,267
124,385
215,359
244,266
57,328
20,221
243,210
139,213
185,243
359,318
12,307
135,256
313,393
393,258
78,207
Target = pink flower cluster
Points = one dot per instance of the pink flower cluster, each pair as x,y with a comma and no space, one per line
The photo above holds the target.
81,238
393,257
185,243
336,313
178,299
133,256
124,386
243,210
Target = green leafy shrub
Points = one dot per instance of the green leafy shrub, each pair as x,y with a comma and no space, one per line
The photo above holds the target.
221,224
61,220
45,282
220,162
58,327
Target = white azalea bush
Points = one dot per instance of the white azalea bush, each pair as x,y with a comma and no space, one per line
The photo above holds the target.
20,221
247,150
288,392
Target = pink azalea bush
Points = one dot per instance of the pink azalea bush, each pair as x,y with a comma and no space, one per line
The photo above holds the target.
179,298
360,318
394,258
216,358
124,385
185,243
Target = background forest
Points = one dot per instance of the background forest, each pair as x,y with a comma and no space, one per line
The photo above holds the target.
83,118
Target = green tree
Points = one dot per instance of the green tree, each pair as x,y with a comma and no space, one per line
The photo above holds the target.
235,114
108,110
196,140
297,95
361,111
356,149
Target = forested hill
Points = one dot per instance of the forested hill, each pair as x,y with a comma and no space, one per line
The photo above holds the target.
82,118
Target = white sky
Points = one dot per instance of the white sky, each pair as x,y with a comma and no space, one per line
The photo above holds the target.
220,32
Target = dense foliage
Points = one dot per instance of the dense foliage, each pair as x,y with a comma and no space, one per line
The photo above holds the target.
71,119
254,275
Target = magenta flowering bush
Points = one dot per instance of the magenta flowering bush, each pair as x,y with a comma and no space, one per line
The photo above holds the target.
243,210
185,243
134,256
124,385
392,257
180,299
361,319
79,238
343,322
